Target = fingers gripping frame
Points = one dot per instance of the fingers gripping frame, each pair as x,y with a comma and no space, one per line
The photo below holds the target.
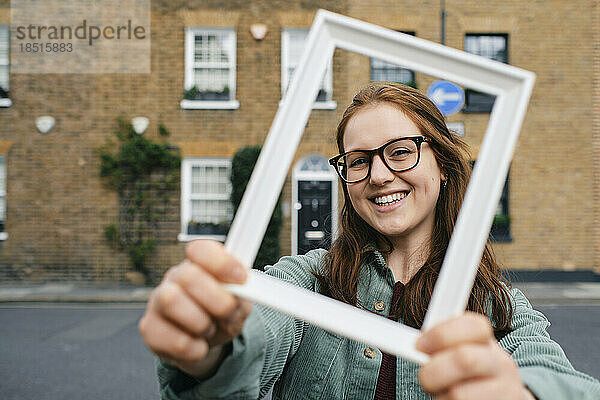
512,87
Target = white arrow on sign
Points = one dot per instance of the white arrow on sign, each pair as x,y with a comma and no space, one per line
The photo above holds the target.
440,97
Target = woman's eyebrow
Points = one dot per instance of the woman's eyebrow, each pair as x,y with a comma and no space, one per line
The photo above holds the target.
376,147
364,148
357,149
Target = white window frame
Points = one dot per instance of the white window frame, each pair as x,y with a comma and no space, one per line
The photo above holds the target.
187,197
328,104
190,33
6,102
392,66
486,102
389,67
3,234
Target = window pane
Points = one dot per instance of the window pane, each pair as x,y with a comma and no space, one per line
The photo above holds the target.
4,77
4,51
211,79
489,46
382,71
199,211
500,231
198,184
2,209
211,210
4,47
297,40
296,43
211,48
2,190
224,174
493,47
213,63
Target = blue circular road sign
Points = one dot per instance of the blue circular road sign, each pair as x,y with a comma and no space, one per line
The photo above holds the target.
448,97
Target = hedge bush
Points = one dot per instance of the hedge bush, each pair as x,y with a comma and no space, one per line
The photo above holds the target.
242,165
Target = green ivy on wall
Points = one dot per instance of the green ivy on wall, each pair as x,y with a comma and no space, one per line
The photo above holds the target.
145,174
242,165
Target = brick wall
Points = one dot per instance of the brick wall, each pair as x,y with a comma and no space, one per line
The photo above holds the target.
552,197
58,206
596,130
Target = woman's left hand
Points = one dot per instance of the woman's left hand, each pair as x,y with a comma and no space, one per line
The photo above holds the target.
467,363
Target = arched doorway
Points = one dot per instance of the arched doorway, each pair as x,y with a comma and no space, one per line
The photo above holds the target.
314,204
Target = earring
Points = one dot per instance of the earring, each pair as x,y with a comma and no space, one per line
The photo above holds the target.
444,183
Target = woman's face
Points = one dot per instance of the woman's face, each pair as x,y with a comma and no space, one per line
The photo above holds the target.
411,214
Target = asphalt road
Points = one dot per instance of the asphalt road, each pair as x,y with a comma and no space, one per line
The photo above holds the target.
577,329
74,352
90,352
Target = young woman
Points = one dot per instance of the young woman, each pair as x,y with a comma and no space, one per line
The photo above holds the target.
404,176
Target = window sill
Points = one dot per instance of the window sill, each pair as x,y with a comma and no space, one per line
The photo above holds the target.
3,235
209,105
321,105
184,237
476,110
6,102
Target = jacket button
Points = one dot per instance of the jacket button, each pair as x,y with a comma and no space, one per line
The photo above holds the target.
370,353
379,306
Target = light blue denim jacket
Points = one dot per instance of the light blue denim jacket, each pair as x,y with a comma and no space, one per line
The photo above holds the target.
304,362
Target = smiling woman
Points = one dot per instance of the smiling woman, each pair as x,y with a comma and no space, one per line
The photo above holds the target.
397,204
404,176
419,226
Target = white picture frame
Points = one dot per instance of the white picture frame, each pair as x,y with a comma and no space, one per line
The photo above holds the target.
512,87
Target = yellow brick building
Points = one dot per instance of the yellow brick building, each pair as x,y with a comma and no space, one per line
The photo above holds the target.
55,206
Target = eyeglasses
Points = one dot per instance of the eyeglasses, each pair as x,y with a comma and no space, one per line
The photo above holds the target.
398,155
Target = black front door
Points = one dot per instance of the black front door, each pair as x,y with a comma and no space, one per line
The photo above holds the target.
314,215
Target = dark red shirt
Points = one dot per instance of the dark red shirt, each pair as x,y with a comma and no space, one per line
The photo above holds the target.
386,381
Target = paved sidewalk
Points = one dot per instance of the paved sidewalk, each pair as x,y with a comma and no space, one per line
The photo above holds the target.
537,292
561,293
74,293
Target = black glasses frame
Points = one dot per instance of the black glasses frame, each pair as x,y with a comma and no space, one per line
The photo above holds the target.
418,140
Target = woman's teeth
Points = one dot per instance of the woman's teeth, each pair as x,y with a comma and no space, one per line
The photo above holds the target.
389,199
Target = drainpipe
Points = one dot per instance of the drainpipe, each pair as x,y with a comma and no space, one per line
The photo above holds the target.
443,21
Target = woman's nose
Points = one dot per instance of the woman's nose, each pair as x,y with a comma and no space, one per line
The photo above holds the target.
380,173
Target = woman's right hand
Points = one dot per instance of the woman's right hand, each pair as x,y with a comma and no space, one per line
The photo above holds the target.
190,316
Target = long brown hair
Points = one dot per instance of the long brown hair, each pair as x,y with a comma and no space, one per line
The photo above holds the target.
343,262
